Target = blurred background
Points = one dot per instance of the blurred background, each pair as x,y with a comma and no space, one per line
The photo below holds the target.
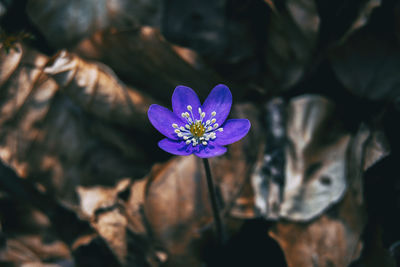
314,183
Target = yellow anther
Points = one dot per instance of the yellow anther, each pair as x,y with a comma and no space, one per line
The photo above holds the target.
197,129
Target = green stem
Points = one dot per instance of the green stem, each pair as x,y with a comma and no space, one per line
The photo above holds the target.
214,203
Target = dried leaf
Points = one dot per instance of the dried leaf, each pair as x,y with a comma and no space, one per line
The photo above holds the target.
80,19
229,35
340,227
376,77
292,40
315,159
317,165
140,55
120,223
98,91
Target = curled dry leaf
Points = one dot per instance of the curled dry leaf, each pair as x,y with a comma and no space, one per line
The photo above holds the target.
80,19
140,55
315,166
97,90
229,35
107,213
316,163
292,40
308,244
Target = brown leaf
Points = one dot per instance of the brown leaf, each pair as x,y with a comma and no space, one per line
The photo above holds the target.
315,167
143,58
64,23
292,40
310,244
317,162
98,91
121,223
341,226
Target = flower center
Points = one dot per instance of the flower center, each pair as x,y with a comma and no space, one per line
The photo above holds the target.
197,131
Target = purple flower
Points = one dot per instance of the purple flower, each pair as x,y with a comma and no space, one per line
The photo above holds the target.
198,129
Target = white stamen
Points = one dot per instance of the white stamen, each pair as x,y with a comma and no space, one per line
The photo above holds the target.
220,129
199,110
182,129
188,142
213,137
216,125
177,131
175,125
207,122
203,115
213,113
189,107
213,120
183,115
187,126
204,143
180,134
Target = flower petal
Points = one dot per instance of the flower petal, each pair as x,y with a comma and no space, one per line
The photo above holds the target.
233,130
182,97
220,101
162,119
211,150
179,148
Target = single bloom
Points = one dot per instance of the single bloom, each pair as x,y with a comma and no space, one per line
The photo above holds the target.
198,129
